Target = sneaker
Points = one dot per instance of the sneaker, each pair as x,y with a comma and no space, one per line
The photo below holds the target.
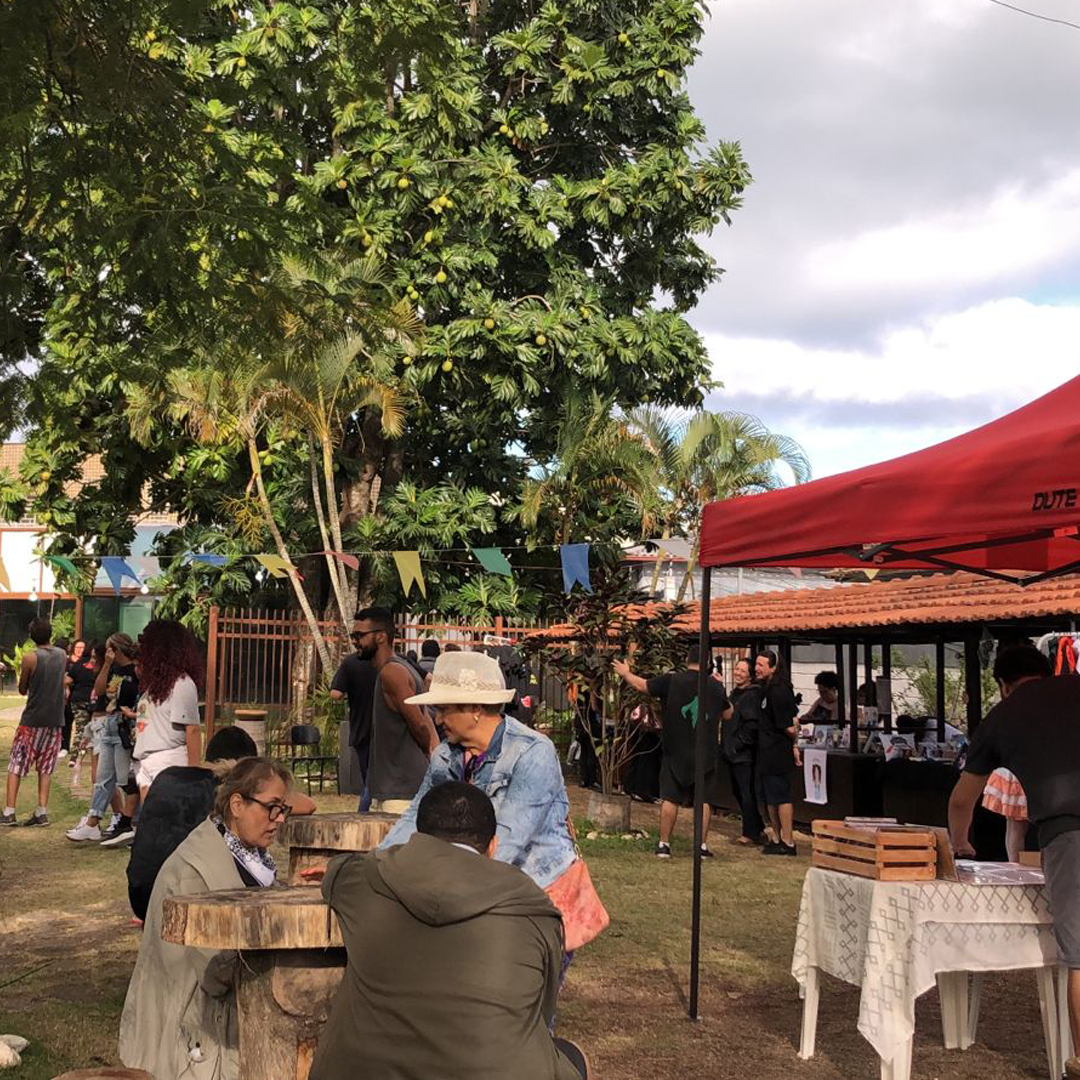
117,825
36,818
113,822
124,836
706,853
62,754
663,851
779,848
82,831
8,818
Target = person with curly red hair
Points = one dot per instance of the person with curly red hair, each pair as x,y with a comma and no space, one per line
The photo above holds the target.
171,674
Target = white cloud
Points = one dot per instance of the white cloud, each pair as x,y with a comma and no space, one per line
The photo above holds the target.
917,385
1015,232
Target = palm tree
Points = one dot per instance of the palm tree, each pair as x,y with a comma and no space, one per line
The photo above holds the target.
706,456
340,335
597,463
328,356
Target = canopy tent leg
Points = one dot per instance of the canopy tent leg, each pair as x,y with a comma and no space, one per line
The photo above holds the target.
939,656
853,695
841,693
886,673
973,684
700,749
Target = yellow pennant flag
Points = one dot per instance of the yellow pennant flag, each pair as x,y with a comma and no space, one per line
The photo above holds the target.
275,564
408,568
4,579
871,574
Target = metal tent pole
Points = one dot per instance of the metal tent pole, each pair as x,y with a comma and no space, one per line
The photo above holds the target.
701,747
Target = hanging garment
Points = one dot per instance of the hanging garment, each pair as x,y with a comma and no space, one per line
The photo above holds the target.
1066,657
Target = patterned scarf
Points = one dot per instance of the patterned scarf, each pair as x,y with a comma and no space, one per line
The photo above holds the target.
258,862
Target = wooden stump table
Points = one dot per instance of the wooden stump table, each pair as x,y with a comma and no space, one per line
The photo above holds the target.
291,962
313,840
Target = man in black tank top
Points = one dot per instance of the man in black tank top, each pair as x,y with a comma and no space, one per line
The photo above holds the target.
402,736
40,731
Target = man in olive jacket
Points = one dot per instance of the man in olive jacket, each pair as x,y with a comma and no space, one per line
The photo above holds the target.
454,959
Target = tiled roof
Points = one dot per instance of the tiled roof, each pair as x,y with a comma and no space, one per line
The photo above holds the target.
921,601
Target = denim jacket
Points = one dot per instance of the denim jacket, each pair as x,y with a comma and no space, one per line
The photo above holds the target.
525,785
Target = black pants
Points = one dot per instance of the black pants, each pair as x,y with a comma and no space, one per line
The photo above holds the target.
588,765
742,783
643,772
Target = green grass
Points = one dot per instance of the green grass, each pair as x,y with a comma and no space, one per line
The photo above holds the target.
67,949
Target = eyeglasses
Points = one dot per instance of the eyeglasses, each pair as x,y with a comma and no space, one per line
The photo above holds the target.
276,811
356,635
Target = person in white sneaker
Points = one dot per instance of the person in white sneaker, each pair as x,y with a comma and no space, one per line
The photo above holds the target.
119,681
167,719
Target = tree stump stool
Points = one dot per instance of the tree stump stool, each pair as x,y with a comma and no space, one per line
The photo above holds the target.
291,962
313,840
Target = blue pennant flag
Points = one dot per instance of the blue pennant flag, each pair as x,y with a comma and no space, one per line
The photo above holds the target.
575,566
117,568
210,560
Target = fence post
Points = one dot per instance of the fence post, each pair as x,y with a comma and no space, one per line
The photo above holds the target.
498,626
211,672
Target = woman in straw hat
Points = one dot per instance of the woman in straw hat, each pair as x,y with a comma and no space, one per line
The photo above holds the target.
515,766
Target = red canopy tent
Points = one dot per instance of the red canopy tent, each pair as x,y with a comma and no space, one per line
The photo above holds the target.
997,501
1003,497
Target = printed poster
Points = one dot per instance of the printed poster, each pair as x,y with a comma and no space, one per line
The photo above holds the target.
814,768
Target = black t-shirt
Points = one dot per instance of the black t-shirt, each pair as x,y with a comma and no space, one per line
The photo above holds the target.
1035,733
778,711
678,691
82,674
356,680
127,693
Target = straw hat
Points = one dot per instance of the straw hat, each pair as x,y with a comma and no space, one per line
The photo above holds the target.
465,678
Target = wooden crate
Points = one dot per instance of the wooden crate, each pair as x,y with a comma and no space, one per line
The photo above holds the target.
887,854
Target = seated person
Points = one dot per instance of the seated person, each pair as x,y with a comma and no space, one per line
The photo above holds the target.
454,959
826,708
180,798
179,1016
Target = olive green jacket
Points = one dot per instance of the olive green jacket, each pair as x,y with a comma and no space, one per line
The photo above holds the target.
453,972
179,1015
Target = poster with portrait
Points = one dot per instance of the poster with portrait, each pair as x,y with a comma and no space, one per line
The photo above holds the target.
815,763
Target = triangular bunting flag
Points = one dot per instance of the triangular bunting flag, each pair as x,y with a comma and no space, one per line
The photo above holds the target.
210,560
62,562
149,566
871,574
117,569
575,566
4,579
493,561
408,568
275,564
351,561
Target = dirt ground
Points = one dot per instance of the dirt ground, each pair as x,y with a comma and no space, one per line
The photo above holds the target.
67,949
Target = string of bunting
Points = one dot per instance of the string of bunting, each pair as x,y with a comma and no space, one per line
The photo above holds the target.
574,561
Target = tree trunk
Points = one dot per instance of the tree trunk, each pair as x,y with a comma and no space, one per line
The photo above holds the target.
690,567
334,568
283,551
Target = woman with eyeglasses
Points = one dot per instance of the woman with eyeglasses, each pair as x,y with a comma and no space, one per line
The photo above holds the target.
180,1012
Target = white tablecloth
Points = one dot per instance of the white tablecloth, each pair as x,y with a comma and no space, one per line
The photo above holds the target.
892,938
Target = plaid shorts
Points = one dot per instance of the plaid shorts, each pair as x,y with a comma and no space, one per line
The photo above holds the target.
35,747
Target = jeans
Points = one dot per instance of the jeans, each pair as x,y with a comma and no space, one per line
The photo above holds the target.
742,781
114,764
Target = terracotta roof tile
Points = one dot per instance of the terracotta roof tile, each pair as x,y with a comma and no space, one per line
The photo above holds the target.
943,598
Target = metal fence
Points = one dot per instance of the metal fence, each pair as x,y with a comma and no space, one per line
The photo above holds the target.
259,658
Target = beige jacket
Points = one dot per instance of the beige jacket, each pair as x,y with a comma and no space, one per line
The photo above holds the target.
179,1020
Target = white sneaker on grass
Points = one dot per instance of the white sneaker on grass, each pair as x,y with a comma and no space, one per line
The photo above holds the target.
82,831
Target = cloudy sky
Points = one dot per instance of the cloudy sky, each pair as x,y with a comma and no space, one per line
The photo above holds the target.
906,263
